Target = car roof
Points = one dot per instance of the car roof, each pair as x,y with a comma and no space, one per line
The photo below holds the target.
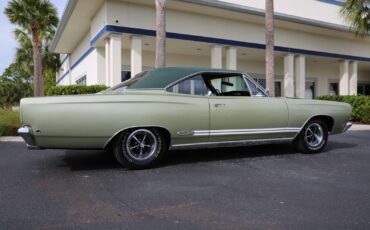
162,77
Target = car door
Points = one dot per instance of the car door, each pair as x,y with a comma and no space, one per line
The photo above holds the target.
234,116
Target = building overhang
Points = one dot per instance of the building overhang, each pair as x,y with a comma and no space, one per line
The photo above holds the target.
76,19
74,24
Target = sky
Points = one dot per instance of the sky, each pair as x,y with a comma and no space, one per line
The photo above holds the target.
8,43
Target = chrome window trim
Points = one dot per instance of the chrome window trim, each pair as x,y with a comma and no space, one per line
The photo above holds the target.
246,76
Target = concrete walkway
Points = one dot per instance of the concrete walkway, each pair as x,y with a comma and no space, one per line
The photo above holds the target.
19,139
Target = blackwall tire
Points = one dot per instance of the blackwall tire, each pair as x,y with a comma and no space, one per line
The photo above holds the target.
139,148
313,137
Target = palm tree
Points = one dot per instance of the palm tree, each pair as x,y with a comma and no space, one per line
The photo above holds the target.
357,13
269,20
24,57
160,55
36,18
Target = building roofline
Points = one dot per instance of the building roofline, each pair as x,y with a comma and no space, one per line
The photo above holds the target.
71,4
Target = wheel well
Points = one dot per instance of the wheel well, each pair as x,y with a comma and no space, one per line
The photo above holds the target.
164,132
327,119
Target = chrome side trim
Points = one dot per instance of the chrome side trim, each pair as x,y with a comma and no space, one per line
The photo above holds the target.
229,143
230,132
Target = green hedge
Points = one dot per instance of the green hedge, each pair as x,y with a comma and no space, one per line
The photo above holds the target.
75,89
9,122
360,106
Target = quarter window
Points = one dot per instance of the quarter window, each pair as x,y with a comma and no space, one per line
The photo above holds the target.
191,86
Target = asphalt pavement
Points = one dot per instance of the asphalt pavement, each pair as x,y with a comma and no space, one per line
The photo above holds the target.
260,187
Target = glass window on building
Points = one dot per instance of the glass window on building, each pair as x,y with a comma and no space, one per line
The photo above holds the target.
333,88
125,75
81,81
363,89
310,90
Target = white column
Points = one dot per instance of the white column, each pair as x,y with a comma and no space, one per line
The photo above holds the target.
136,55
68,64
216,56
107,64
231,58
343,77
289,75
300,76
353,78
115,58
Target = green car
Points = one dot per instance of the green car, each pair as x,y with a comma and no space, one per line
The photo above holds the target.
178,108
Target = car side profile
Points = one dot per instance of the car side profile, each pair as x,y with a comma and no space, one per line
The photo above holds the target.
178,108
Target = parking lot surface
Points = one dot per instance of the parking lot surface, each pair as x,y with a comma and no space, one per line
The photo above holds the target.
261,187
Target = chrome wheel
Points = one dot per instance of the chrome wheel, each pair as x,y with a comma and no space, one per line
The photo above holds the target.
141,144
314,136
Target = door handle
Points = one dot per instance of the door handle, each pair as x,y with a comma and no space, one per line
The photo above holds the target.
219,105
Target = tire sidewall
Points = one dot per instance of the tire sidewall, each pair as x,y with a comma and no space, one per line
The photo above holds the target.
304,146
126,160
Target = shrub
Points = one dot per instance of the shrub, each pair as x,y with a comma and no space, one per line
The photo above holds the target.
75,89
360,106
9,122
365,113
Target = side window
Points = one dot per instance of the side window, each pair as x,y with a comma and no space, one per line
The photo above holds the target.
191,86
255,91
230,86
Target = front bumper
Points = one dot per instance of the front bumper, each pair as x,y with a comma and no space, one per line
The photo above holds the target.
347,126
26,133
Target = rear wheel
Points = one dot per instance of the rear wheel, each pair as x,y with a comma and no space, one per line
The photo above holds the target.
313,137
139,148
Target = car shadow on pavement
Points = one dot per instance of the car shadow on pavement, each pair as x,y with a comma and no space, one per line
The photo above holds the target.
79,160
231,153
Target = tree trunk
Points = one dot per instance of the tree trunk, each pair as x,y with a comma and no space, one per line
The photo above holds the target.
269,18
37,66
160,55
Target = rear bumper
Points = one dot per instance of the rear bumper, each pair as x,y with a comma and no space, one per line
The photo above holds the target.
347,126
26,133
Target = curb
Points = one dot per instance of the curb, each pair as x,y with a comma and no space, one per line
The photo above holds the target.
11,139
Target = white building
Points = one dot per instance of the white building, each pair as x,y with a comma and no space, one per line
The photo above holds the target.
102,41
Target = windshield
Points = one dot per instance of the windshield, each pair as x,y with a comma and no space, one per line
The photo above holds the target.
128,83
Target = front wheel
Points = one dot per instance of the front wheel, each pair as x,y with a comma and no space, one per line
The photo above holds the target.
313,137
139,148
